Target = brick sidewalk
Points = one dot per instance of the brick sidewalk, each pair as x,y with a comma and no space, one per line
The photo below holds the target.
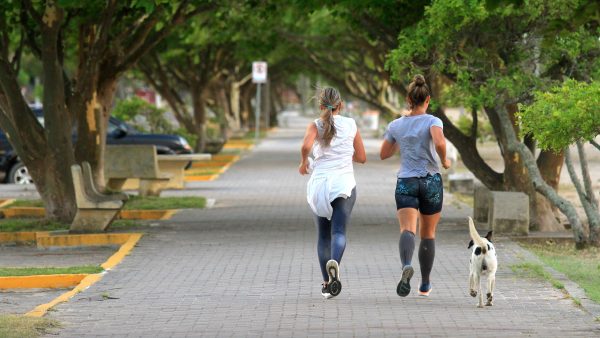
248,267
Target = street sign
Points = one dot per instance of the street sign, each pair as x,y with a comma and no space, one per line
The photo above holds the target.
259,72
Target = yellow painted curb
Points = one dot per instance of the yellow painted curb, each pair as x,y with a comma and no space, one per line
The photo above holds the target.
201,178
81,240
124,250
90,280
238,146
21,236
41,281
147,214
24,212
6,202
210,164
224,157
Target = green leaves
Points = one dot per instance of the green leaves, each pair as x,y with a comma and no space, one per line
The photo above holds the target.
563,115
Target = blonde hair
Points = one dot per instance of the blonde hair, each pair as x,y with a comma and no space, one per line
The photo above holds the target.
330,99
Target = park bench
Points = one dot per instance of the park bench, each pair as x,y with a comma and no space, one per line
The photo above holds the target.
124,162
481,198
95,210
508,212
461,183
175,165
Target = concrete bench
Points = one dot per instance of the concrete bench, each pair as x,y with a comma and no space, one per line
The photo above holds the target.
508,212
175,165
481,207
95,210
123,162
461,183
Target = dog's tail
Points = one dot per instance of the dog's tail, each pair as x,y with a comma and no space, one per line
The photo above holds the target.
475,236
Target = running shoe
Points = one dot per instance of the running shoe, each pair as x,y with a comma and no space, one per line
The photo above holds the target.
403,288
325,291
333,270
425,289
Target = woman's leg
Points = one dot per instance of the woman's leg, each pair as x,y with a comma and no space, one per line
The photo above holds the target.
407,204
431,199
342,208
427,245
407,217
323,244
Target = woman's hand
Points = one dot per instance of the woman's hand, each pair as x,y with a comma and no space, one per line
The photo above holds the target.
446,163
303,168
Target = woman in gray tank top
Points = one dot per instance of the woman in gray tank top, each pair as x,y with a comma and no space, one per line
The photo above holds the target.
419,190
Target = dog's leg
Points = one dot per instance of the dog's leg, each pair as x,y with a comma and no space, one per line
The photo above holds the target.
478,285
472,290
490,293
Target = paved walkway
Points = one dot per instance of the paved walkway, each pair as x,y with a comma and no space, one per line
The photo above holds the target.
248,267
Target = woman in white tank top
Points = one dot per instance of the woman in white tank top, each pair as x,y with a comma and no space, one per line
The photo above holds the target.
331,189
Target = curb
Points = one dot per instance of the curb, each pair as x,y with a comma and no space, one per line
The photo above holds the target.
21,236
147,214
52,241
5,202
58,281
91,279
572,288
37,212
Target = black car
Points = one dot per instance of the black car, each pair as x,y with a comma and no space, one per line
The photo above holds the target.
119,132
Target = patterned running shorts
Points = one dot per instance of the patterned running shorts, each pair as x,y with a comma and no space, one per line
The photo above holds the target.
425,194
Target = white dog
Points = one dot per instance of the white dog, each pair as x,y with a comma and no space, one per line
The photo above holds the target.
483,262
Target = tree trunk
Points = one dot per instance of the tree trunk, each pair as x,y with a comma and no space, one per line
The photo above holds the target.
55,186
246,101
514,145
589,201
515,173
199,119
53,174
550,164
467,147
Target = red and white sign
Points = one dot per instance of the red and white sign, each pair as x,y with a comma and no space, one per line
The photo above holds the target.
259,72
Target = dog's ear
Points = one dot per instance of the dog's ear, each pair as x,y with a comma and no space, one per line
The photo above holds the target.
489,236
470,244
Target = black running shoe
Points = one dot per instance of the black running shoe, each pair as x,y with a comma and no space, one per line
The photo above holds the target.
403,288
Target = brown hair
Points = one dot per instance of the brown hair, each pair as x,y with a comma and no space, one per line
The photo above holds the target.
330,99
418,91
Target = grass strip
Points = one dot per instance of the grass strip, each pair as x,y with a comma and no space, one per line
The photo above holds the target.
29,224
534,270
163,203
26,203
580,266
13,326
134,203
85,269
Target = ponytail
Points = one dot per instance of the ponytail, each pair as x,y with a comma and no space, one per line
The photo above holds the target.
329,98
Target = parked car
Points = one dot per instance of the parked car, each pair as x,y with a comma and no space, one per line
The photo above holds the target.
118,132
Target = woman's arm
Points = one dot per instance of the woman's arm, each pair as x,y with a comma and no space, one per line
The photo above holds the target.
439,141
359,149
309,139
388,149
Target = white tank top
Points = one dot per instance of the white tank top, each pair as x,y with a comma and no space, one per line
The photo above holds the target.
332,173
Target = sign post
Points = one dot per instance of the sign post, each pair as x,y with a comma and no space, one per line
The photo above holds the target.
259,76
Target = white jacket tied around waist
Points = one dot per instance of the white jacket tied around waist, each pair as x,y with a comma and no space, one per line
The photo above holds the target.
332,172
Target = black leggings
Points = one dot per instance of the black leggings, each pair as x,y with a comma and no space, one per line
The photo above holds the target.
332,233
